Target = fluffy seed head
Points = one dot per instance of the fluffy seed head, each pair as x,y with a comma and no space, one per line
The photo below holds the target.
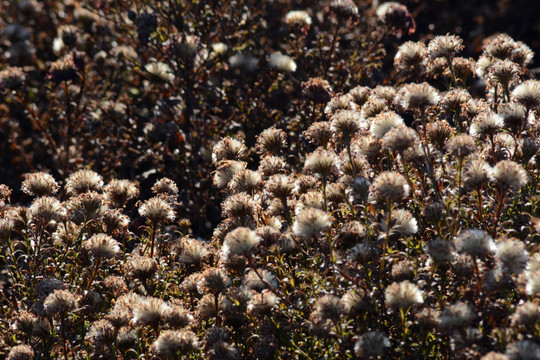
486,123
512,254
457,315
311,221
47,209
246,181
446,46
39,184
157,210
280,186
410,55
327,307
346,123
83,181
166,187
141,267
297,19
321,162
228,149
149,311
371,344
59,302
240,241
476,243
173,343
317,90
461,145
102,246
418,96
119,192
403,295
384,122
476,173
271,141
400,138
510,175
282,63
440,251
21,352
390,186
528,94
160,71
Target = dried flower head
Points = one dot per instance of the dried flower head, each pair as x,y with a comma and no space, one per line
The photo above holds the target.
527,314
476,174
149,311
165,186
440,251
319,133
403,295
298,19
311,221
503,73
327,307
321,162
523,350
244,62
402,222
271,141
160,71
240,206
257,279
532,286
261,303
461,145
346,123
514,116
371,344
157,210
12,78
486,124
214,280
228,149
359,95
39,184
400,138
528,94
373,107
510,175
47,209
102,246
119,192
418,96
384,122
174,343
226,170
21,352
344,9
141,267
512,254
390,186
445,46
83,181
115,221
101,331
246,181
317,90
474,242
410,56
193,251
282,63
240,241
59,302
457,315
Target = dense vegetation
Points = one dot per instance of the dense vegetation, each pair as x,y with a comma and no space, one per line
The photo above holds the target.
269,180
